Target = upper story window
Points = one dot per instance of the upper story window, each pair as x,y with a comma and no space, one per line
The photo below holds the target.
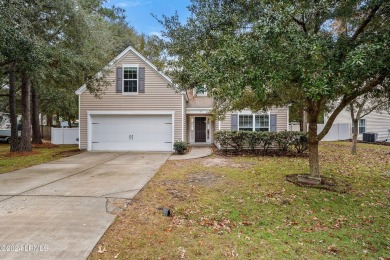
130,79
200,90
253,122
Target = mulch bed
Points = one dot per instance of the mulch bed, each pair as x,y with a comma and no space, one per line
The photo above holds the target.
378,143
327,183
272,153
44,145
188,150
385,143
68,153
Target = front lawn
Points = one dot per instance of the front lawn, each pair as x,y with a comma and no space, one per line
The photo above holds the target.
40,154
242,207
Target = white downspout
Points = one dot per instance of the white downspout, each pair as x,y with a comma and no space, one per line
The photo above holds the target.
79,122
182,117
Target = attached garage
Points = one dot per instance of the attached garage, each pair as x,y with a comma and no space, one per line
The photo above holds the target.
130,132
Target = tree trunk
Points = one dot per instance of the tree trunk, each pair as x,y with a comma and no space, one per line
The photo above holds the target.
14,147
58,123
304,121
49,120
69,123
36,131
25,141
313,150
355,135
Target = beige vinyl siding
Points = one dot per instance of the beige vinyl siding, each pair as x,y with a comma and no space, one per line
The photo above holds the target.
281,119
226,123
375,123
157,96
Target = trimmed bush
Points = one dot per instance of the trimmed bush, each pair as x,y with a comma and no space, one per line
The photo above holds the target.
254,140
238,139
284,142
180,147
299,142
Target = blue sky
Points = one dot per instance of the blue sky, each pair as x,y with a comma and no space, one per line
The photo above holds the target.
138,12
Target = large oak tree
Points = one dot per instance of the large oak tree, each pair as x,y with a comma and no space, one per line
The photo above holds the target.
256,54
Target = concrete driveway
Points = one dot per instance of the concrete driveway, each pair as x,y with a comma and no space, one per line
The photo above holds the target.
60,210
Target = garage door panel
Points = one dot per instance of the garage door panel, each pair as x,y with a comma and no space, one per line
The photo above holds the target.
132,132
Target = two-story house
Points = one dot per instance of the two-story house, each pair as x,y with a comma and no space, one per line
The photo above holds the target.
140,112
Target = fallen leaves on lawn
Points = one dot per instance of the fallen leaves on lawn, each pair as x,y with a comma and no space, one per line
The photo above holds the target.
217,225
182,252
241,207
332,249
101,249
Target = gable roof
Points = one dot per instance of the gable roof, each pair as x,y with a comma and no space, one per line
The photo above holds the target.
120,56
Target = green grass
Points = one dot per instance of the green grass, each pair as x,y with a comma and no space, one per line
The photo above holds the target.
242,207
17,161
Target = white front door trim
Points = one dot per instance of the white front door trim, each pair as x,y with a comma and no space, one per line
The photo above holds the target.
127,112
208,128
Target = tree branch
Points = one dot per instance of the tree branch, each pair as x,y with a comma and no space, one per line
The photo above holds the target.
5,62
346,100
360,108
368,19
373,108
299,22
352,110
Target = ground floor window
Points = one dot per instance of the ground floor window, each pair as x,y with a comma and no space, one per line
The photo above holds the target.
246,123
253,123
361,126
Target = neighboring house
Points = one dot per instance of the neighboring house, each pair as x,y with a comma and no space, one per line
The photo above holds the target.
372,123
140,112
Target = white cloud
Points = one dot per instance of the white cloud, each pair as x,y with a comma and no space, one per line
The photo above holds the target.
130,4
156,33
122,5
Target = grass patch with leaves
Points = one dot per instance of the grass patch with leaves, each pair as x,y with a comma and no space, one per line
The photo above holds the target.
40,154
242,207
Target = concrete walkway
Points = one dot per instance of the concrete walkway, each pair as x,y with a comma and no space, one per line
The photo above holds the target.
196,152
60,210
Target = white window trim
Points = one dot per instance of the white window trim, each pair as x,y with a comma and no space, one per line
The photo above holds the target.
200,95
254,120
123,78
208,127
359,125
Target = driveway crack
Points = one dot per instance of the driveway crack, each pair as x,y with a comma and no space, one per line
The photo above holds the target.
21,193
113,193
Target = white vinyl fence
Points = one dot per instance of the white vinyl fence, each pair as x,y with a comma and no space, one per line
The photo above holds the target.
64,135
294,127
341,131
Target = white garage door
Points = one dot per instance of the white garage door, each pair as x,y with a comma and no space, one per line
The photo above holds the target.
131,132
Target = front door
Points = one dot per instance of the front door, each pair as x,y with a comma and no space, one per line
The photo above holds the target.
200,129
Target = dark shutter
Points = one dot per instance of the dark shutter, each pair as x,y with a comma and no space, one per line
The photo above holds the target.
234,122
141,80
119,80
272,118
